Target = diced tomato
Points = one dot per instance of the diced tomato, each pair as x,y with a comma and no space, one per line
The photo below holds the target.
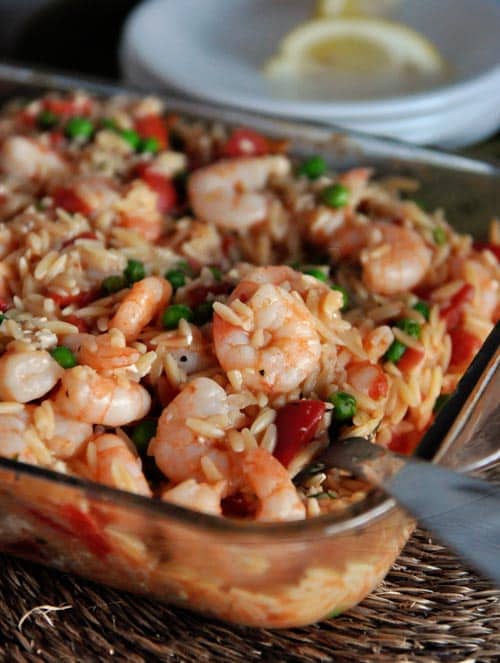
4,305
368,379
410,359
84,527
153,126
56,139
246,143
405,443
82,298
68,107
78,322
494,248
85,235
200,293
27,118
163,187
296,425
464,347
452,314
67,199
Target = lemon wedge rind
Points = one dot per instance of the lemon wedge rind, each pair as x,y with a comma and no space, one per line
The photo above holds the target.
329,8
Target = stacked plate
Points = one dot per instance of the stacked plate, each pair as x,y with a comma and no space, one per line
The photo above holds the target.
216,50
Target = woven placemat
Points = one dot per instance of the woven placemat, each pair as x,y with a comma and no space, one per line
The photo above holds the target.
429,608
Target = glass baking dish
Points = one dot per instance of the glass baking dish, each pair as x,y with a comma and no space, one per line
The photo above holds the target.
266,574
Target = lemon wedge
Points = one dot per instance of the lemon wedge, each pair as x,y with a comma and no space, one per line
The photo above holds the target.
364,46
325,8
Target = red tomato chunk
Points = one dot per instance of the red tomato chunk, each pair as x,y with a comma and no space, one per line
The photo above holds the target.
452,314
464,347
296,425
246,143
68,200
152,126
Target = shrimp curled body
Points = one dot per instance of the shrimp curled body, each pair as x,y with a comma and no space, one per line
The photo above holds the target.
230,194
275,346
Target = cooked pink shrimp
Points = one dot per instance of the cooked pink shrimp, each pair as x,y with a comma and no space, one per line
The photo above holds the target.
190,445
145,300
87,396
103,351
178,447
138,210
13,425
396,260
24,158
117,466
191,354
485,279
278,498
25,376
269,335
202,497
230,193
67,436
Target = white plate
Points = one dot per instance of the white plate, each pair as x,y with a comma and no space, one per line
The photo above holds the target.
215,49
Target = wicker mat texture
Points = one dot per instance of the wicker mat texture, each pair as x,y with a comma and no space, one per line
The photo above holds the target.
429,609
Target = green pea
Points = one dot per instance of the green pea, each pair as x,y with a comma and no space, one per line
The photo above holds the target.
113,284
441,401
134,271
316,272
345,296
109,123
344,406
216,273
184,266
79,127
142,434
47,119
2,318
313,167
336,195
176,277
423,309
395,351
203,313
174,314
131,137
439,236
64,356
150,145
410,327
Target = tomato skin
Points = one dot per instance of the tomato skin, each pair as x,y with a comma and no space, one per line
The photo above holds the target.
67,107
296,424
78,322
4,305
246,143
163,187
82,298
67,199
57,140
410,360
152,126
494,248
464,348
405,443
452,314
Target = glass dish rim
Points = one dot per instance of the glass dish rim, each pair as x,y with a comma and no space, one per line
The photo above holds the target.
376,504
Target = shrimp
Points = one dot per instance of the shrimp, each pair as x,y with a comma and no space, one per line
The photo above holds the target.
67,436
178,449
144,301
270,339
85,395
278,498
202,497
24,158
102,352
98,194
192,433
396,260
229,193
191,354
117,466
25,376
138,210
13,425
